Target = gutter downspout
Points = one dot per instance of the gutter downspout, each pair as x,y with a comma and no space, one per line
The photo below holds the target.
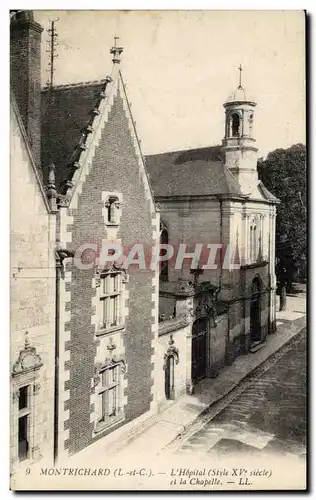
56,378
221,241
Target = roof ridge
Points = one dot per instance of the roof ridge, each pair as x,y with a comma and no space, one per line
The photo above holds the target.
75,161
183,150
72,85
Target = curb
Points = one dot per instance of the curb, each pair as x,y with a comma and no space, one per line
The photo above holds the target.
229,391
155,419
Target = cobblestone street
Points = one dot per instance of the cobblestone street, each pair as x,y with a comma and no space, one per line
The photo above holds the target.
269,416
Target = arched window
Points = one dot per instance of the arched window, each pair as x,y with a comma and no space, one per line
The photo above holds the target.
235,120
253,242
250,124
164,238
112,208
171,358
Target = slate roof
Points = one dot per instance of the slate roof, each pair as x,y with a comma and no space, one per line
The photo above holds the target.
66,110
268,195
191,172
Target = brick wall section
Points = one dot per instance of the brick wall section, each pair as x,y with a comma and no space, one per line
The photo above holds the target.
25,72
115,167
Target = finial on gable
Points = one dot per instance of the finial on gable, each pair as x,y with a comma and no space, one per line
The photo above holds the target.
51,188
51,180
116,51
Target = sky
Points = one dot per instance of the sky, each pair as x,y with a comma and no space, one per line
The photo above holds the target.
180,67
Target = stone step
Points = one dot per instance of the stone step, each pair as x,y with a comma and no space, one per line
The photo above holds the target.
256,346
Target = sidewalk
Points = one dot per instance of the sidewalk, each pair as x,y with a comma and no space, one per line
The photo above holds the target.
179,415
183,412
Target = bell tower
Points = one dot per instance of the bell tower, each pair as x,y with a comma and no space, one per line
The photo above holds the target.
239,144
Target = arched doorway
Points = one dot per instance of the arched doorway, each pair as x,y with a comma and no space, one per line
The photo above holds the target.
255,311
171,358
199,345
169,377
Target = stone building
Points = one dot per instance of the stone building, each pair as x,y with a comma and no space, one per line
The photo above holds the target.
104,317
212,196
32,340
108,317
32,262
101,365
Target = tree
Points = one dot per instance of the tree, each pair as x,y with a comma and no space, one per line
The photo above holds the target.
283,172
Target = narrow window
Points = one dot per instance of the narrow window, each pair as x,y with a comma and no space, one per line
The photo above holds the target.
254,243
235,125
251,243
23,423
164,269
112,210
250,124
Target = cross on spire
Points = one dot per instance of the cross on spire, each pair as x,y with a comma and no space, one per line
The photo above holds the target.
116,51
240,70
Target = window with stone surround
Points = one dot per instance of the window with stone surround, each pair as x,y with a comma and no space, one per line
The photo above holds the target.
253,242
110,393
110,300
112,207
24,422
25,408
235,125
109,390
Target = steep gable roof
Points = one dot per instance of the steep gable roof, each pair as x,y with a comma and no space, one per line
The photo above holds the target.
66,113
73,119
259,191
191,172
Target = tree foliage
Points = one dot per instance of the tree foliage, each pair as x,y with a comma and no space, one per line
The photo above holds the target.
283,172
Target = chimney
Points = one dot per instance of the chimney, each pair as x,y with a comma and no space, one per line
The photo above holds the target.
25,71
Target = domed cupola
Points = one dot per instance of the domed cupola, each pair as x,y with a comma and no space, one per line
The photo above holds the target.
239,143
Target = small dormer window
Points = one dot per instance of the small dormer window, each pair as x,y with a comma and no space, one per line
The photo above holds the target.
112,208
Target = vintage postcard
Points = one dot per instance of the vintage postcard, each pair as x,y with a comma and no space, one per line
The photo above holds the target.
158,250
